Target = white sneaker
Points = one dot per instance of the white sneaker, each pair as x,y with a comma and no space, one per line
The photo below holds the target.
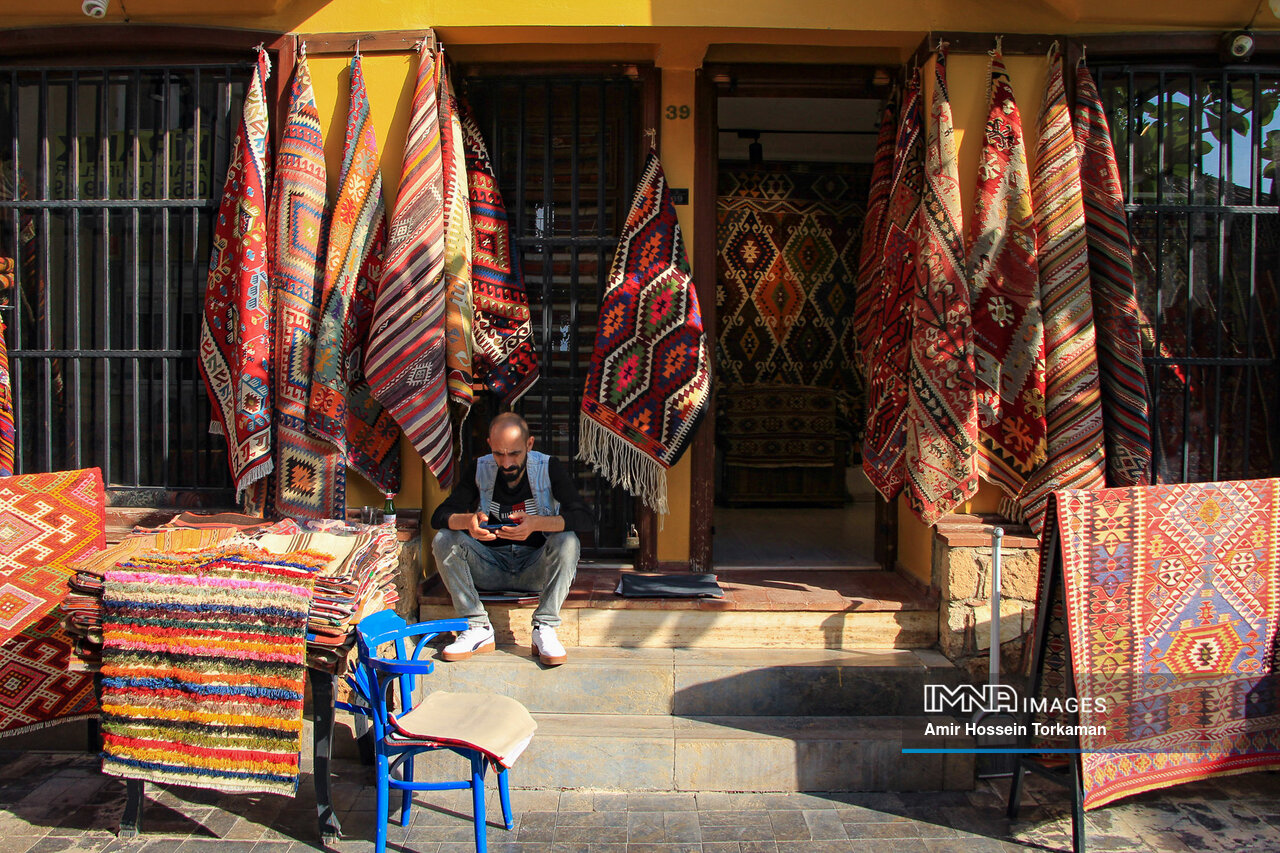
547,647
473,641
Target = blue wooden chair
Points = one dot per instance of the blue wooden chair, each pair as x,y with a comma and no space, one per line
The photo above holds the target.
486,729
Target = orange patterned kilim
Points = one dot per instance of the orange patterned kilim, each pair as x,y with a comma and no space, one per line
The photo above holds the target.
46,522
1172,605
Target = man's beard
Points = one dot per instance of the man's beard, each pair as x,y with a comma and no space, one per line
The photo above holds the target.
511,476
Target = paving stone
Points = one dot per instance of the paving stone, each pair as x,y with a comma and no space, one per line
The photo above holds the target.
746,832
721,847
734,818
662,802
789,826
591,834
609,801
537,827
964,845
899,829
824,824
576,818
646,847
713,801
646,828
682,827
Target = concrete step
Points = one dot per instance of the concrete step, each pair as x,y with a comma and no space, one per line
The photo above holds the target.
706,682
729,753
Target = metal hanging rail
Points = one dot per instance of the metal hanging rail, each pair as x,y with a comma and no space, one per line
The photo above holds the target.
381,41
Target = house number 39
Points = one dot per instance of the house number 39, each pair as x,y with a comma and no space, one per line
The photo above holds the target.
675,112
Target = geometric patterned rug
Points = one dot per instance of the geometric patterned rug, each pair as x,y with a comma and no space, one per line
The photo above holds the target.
46,522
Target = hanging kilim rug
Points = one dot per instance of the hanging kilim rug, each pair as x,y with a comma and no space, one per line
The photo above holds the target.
942,411
235,332
459,312
1073,399
1172,611
404,361
7,432
47,521
309,477
341,410
888,354
1115,301
202,668
1004,291
505,360
871,257
649,382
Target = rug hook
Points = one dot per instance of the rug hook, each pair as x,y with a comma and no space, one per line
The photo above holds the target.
302,48
357,48
652,133
1053,48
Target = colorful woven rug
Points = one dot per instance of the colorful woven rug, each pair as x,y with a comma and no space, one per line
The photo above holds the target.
202,668
778,426
871,257
341,410
235,332
1074,405
884,441
788,239
1115,301
650,381
405,361
1004,291
7,432
505,359
941,454
459,313
1172,610
47,522
310,475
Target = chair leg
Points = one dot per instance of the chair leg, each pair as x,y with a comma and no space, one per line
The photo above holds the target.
504,794
382,804
406,800
477,801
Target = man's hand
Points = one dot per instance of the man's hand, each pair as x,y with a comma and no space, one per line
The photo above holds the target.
527,524
470,522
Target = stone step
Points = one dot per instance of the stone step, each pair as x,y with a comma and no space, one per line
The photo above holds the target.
706,682
729,753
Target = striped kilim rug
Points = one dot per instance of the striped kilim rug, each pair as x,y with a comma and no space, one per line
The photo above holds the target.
235,331
310,475
47,522
884,441
1115,302
202,668
1074,406
405,361
459,312
1004,292
942,411
505,360
871,258
7,431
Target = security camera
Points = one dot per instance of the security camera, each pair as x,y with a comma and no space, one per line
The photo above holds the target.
1236,46
94,8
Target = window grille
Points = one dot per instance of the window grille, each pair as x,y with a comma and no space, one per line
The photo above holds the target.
109,184
1197,149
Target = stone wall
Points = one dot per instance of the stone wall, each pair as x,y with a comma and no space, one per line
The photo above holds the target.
962,574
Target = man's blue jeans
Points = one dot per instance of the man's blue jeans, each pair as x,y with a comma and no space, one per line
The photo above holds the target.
468,566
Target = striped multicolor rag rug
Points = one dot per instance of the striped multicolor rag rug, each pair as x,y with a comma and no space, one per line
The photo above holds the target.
47,522
1004,292
1172,609
202,668
884,441
341,410
505,359
942,410
871,257
1115,302
650,379
1073,400
310,475
7,432
459,312
235,331
405,362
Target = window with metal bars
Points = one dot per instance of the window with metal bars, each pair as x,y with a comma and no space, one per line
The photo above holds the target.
566,152
109,184
1197,149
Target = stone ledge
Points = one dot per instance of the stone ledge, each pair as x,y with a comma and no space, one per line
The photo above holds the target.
960,530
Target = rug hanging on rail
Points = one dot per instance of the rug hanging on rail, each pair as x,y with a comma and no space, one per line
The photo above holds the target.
1115,301
405,361
884,440
941,461
459,310
235,331
870,258
650,381
505,360
1073,399
341,410
7,431
202,667
1172,608
1004,294
310,476
47,522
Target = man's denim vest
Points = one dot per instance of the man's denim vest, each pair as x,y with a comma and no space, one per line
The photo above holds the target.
539,476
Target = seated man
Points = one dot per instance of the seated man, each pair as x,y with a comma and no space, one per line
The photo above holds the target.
509,526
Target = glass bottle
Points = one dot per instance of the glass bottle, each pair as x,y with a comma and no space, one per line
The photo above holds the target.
389,512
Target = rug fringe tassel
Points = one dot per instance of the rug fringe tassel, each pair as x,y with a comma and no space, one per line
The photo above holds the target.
619,462
35,727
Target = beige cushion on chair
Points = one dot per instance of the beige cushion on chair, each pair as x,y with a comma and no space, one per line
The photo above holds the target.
496,725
